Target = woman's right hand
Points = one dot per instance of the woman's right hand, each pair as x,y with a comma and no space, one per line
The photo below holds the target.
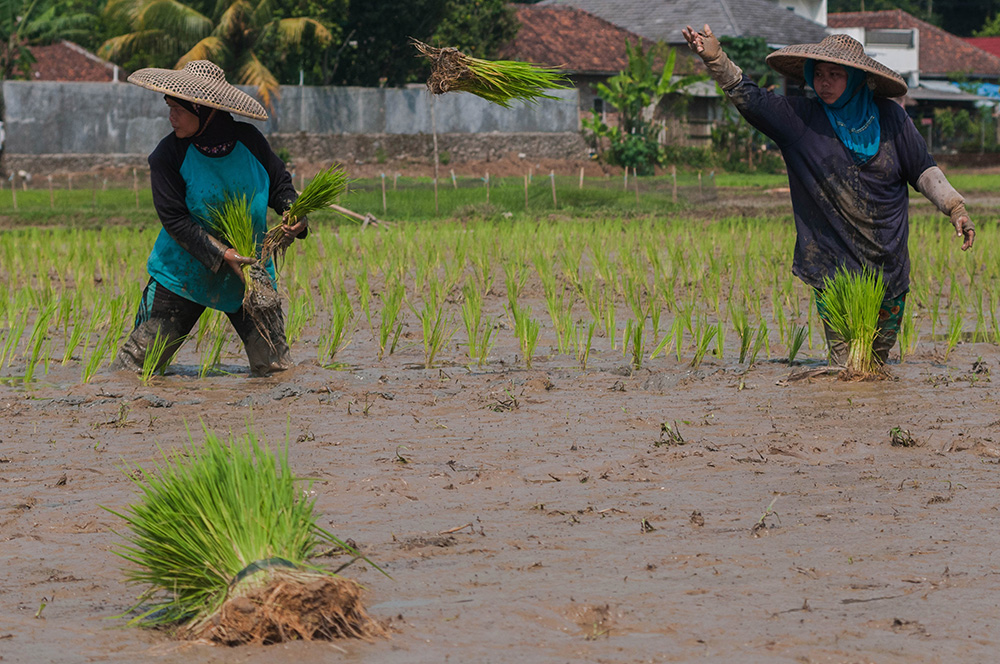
703,43
236,262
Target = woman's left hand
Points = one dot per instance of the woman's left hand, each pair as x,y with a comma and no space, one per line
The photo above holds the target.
292,231
964,228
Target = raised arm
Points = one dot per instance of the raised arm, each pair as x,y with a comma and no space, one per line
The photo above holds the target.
723,70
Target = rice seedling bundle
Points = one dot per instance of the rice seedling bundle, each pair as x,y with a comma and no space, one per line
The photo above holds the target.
321,192
498,81
851,301
222,537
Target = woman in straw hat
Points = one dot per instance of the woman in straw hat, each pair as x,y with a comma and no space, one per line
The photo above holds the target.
208,157
850,154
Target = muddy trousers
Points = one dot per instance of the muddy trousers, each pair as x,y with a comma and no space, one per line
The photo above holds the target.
890,319
172,317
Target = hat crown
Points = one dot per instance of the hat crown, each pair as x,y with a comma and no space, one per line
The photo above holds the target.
205,69
843,46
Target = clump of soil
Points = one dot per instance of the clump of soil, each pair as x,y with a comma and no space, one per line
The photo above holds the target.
283,605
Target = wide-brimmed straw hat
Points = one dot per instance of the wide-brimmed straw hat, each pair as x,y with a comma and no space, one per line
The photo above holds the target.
200,82
841,50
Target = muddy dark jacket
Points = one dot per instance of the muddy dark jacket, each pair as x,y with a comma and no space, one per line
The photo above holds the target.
846,214
187,182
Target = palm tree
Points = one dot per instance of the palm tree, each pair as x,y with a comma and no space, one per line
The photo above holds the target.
176,33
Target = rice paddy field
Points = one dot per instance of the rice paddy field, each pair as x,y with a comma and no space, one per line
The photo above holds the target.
593,426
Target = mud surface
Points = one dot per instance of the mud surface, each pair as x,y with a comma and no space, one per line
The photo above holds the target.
552,514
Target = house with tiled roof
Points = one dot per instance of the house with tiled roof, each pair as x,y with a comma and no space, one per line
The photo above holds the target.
988,44
588,48
942,55
66,61
662,20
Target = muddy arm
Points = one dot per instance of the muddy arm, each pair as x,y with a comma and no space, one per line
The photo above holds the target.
933,184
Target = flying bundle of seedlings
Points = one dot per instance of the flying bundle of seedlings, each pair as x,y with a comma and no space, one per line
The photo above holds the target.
498,81
320,193
850,303
223,536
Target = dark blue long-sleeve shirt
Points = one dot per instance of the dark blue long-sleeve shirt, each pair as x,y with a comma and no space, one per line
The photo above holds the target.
846,214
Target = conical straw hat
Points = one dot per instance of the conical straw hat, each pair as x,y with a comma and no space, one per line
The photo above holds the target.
841,50
200,82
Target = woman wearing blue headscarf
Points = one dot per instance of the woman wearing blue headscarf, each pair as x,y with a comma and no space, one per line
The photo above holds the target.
850,154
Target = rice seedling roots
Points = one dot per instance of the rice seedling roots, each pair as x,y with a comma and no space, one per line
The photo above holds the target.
279,605
449,69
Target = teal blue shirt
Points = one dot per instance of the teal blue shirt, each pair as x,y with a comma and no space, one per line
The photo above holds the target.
186,184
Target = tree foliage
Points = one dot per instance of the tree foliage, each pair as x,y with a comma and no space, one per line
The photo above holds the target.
169,33
27,22
636,92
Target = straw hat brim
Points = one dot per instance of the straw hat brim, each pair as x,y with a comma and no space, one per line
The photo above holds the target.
790,60
184,84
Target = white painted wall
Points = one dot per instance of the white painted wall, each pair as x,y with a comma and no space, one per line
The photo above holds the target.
899,58
814,10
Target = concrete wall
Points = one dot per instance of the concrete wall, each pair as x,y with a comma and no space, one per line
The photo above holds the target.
52,118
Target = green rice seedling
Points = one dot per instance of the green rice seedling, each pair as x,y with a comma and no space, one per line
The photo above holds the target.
979,334
526,329
13,337
72,343
485,342
798,337
498,81
232,222
994,323
322,191
610,326
759,343
222,537
364,292
584,342
908,335
390,325
472,317
436,327
634,338
299,313
96,359
852,301
211,357
39,337
337,335
720,339
954,331
935,305
743,330
514,277
703,336
154,361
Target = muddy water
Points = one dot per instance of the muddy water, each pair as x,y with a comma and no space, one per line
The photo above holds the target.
544,515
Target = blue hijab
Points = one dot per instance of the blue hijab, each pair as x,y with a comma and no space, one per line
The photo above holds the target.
854,115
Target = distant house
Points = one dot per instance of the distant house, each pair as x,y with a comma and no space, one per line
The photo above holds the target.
66,61
590,49
988,44
663,20
941,57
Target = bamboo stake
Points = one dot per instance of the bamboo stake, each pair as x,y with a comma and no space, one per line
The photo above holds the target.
434,134
625,181
525,191
95,190
531,174
673,174
581,177
552,177
383,194
52,196
454,182
69,182
635,178
135,187
487,187
13,188
699,185
394,178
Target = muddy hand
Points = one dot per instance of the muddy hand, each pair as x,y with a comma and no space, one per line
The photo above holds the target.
966,229
703,43
235,262
292,231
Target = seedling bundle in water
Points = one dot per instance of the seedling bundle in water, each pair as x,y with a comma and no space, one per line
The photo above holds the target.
852,301
498,81
223,536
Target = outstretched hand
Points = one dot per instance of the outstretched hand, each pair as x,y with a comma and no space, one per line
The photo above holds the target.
703,43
